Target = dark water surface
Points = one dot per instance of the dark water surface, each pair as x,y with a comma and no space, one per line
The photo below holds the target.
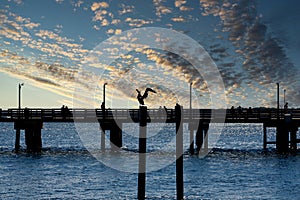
237,168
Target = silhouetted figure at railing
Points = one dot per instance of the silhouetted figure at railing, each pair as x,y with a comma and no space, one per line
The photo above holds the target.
26,113
286,106
160,111
232,111
239,109
65,111
141,97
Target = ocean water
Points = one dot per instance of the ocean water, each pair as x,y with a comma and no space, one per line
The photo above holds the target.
236,168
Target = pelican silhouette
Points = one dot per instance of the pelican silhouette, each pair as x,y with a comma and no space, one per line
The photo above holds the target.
141,97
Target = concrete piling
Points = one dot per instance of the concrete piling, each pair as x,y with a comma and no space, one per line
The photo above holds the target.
179,152
264,137
17,141
33,134
142,153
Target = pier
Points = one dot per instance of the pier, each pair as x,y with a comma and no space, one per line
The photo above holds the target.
286,123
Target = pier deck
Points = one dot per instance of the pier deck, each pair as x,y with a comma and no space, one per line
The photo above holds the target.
266,115
286,122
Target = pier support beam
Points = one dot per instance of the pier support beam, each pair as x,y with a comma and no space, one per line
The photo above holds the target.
293,138
191,141
33,139
179,152
206,126
102,140
265,137
199,138
282,138
116,137
192,128
142,153
17,141
33,136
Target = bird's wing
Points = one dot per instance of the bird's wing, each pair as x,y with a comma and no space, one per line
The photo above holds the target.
149,90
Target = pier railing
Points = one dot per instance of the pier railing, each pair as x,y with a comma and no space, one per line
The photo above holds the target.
165,115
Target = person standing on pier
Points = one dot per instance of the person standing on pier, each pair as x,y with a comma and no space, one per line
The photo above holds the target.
63,111
286,107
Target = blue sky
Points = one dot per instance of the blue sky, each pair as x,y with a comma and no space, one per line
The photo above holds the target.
45,44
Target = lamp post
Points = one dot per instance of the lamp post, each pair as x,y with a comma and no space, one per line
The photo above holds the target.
104,94
17,142
191,129
284,96
191,95
277,101
20,86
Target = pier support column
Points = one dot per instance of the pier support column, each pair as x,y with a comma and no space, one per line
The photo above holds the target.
282,138
102,139
199,137
191,129
116,137
142,153
293,138
265,137
17,142
33,134
191,141
179,152
206,127
33,139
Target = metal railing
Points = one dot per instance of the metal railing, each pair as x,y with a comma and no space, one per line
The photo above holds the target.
153,114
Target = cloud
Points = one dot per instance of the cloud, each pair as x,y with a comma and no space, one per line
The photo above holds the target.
160,8
250,58
265,60
99,5
178,19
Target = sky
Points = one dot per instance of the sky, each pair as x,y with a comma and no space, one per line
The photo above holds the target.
56,48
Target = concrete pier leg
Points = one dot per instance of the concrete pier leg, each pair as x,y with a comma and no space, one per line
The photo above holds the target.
191,141
199,138
33,139
17,142
206,138
282,139
265,137
179,153
37,140
293,136
102,140
28,138
116,137
33,134
142,153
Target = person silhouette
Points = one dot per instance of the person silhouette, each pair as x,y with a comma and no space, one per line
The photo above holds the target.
141,97
286,106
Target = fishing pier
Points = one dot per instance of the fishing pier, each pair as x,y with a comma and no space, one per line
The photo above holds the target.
286,123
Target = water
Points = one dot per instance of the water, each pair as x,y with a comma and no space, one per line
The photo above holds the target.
236,169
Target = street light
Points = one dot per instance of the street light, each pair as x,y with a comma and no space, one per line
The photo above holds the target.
20,86
104,94
191,95
277,101
284,96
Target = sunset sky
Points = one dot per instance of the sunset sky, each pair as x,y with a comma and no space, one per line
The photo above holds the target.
46,44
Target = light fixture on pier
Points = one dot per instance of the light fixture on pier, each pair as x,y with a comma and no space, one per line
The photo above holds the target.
20,86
